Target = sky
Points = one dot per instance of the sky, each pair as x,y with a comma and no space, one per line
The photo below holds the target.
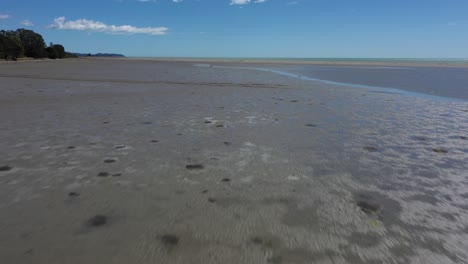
248,28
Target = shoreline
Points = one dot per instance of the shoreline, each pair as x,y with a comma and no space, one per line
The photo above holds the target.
318,62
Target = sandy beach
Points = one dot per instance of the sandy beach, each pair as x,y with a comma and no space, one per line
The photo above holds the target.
150,161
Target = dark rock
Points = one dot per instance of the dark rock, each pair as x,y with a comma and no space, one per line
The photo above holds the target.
71,147
116,174
109,160
310,125
219,125
154,141
211,200
227,143
73,194
226,180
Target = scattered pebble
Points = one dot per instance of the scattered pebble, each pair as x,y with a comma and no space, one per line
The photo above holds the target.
463,137
219,125
120,147
211,200
116,174
204,191
208,122
110,160
294,101
310,125
146,123
71,147
154,141
5,168
194,167
226,180
97,220
170,240
227,143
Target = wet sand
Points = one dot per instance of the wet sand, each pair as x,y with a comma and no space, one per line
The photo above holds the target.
141,161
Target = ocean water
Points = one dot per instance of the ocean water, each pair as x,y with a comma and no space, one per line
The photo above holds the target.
450,82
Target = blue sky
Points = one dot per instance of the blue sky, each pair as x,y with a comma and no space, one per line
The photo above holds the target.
242,28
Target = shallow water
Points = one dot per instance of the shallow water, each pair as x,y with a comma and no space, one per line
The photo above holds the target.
114,161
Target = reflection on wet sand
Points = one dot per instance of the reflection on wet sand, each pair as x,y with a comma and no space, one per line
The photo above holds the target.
183,164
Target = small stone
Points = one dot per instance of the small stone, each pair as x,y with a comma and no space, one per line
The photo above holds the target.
103,174
71,147
5,168
370,148
211,200
109,160
440,150
194,167
367,207
226,180
73,194
170,240
97,220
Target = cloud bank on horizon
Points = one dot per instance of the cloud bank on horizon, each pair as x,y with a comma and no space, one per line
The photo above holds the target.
83,24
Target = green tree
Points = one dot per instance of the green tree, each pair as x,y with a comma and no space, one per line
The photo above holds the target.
60,51
10,45
33,43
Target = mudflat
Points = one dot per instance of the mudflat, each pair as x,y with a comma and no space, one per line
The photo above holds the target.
146,161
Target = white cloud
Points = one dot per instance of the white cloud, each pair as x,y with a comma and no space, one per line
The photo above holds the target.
240,2
4,16
176,1
96,26
27,23
244,2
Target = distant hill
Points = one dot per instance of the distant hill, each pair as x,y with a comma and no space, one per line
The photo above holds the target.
99,55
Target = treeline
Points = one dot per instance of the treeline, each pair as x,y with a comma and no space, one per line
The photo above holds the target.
27,43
